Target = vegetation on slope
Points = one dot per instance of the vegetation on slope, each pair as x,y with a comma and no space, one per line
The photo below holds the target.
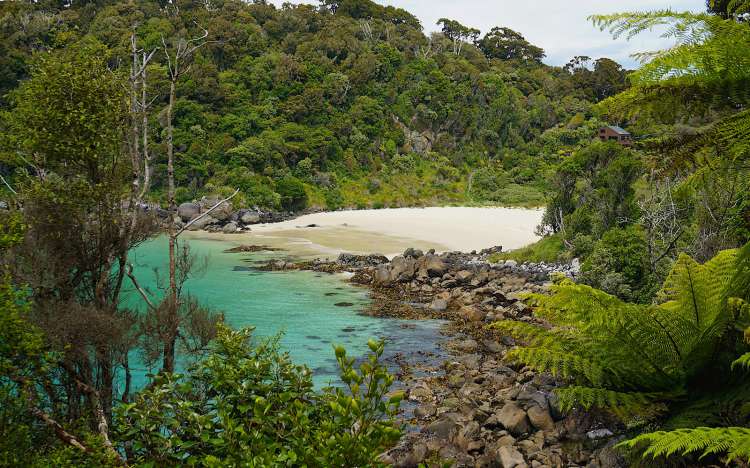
349,99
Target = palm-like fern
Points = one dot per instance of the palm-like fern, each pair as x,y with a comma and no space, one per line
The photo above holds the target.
631,358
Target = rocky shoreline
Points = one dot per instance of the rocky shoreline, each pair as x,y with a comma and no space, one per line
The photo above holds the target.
477,410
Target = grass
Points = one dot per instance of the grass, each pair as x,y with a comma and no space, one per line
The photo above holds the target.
547,249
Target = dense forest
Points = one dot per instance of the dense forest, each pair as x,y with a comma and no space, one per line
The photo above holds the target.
348,104
108,107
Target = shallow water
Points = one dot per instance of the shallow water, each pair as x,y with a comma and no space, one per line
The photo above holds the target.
302,305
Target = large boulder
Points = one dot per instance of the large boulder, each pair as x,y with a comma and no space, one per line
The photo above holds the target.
540,418
513,418
250,217
188,211
402,269
202,223
431,265
382,275
413,253
229,228
221,213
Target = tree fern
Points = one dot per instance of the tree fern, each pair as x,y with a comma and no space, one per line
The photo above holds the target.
631,358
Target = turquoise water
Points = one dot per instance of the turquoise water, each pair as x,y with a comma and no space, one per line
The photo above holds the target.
300,304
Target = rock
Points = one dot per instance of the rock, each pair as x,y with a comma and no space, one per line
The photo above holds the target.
417,455
464,276
511,458
425,411
513,418
382,275
511,263
472,314
492,346
413,253
439,305
222,212
420,393
599,434
442,428
362,260
575,266
530,393
540,418
402,269
229,228
250,217
468,345
188,211
202,223
431,266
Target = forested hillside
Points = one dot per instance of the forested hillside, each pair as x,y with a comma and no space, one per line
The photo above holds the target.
345,104
106,106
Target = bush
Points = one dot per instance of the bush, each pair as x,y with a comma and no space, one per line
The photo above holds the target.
547,249
292,192
251,406
619,265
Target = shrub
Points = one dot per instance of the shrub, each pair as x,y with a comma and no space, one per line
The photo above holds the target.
292,193
251,406
619,265
547,249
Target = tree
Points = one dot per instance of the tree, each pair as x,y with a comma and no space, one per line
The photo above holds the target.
506,44
68,143
178,57
457,33
609,78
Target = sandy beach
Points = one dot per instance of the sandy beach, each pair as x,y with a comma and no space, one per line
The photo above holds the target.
390,231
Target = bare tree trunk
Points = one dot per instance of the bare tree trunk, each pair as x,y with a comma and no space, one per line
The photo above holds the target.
169,346
144,128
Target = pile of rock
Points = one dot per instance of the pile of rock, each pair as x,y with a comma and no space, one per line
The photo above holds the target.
478,410
481,413
223,218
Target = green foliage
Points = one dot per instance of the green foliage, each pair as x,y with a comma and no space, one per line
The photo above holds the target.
547,249
248,404
72,107
506,44
701,441
636,360
292,193
351,88
619,265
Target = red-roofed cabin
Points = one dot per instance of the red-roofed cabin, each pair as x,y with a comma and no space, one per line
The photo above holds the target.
615,133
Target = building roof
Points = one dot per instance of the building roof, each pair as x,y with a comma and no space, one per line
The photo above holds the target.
618,130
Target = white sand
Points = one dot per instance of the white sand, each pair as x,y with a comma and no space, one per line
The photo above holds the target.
390,231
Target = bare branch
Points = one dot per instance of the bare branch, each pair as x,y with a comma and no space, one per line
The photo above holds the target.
138,287
203,215
7,185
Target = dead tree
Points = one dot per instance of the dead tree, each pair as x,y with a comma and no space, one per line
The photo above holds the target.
178,58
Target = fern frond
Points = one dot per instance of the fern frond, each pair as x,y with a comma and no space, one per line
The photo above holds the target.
734,441
625,405
742,361
558,363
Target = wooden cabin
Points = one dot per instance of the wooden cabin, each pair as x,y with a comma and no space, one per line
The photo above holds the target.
615,133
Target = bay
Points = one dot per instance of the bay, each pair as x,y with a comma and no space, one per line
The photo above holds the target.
313,311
